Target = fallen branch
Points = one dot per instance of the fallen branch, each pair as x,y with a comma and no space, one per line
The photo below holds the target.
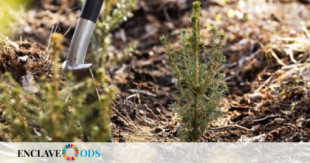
231,126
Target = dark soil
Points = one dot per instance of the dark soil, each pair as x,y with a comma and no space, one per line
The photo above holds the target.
259,105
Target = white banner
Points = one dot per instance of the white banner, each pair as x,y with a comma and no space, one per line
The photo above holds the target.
154,152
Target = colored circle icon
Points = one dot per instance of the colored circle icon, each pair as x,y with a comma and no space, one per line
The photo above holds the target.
70,157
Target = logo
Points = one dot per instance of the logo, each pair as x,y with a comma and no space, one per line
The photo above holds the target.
70,152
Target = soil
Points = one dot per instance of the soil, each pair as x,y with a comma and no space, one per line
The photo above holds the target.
267,68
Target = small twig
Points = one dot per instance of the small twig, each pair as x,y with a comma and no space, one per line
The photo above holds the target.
264,84
124,118
131,96
71,26
277,58
306,32
231,126
238,126
143,92
166,14
290,53
151,111
137,95
117,112
262,119
53,30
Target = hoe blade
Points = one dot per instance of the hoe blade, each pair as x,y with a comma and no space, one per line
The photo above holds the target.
81,72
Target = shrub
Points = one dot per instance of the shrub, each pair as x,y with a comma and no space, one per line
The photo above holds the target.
59,110
113,14
200,84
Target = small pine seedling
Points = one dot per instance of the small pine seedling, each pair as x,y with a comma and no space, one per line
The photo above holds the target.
200,84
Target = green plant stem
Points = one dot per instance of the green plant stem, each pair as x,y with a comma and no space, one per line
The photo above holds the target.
196,35
195,125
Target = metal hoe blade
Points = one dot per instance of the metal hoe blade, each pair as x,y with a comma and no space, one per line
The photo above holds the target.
82,72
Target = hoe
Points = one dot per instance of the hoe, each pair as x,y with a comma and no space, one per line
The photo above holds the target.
80,41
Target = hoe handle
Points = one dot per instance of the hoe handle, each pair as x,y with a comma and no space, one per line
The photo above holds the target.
91,9
82,34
